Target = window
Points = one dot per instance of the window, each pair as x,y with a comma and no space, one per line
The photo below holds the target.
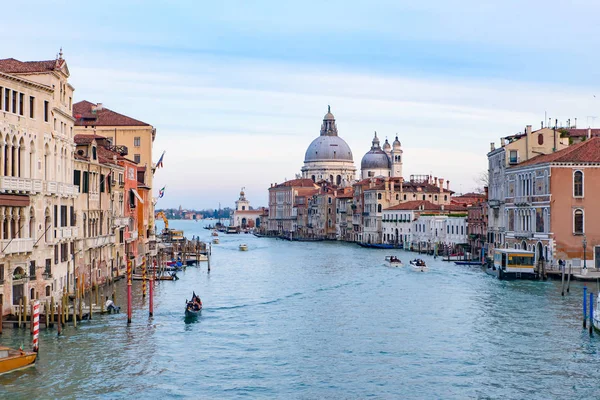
578,184
578,222
405,197
540,139
1,273
14,101
6,99
136,141
48,291
1,98
45,111
31,107
378,207
94,154
513,157
85,183
32,270
136,158
77,179
63,216
72,214
48,269
378,196
56,248
101,183
21,101
423,197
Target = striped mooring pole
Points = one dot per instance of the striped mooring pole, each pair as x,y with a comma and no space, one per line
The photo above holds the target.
36,325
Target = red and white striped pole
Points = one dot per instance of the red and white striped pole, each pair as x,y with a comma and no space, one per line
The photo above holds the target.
36,325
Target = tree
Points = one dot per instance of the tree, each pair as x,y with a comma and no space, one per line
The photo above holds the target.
482,180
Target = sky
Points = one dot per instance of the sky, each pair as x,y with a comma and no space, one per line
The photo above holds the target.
237,90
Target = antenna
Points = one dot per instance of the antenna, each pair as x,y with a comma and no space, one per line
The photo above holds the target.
593,117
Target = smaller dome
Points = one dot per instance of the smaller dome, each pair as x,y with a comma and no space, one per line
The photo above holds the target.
386,146
397,143
329,116
375,158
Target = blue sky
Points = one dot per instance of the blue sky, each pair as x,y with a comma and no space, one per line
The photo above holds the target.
237,90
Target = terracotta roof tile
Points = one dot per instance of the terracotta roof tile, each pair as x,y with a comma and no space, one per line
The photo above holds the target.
12,66
426,206
85,115
575,132
584,152
303,182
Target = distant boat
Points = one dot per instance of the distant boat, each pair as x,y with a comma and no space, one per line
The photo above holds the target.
193,308
468,263
419,265
393,261
243,247
215,241
12,360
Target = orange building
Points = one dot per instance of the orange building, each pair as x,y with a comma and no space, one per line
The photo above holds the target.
552,205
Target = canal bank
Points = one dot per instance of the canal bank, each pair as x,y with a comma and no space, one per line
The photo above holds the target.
296,319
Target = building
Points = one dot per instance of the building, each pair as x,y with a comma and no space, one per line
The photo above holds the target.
329,157
98,212
378,162
477,227
423,225
288,202
343,216
514,150
244,216
37,195
137,137
552,205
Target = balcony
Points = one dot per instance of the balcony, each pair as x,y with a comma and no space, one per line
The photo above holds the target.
66,233
120,222
16,246
20,185
523,201
99,241
94,196
131,235
61,189
523,235
494,203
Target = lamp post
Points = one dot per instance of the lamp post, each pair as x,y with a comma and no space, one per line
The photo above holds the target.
584,247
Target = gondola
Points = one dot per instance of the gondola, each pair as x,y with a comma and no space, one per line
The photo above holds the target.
193,308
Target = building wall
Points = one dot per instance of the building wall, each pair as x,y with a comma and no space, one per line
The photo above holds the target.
569,245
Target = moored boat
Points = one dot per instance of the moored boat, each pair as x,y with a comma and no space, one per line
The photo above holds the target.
243,247
596,315
12,360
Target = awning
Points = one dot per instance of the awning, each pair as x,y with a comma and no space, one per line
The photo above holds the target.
138,196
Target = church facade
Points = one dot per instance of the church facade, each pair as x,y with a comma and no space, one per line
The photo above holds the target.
243,216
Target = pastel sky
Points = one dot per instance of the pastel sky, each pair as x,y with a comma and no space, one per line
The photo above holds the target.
237,89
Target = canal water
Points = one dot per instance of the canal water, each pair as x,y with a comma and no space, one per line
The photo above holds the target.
322,320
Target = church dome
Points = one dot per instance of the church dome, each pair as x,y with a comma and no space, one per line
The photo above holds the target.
397,143
386,146
375,158
328,146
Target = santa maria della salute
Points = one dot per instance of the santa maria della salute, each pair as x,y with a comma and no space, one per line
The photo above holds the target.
329,158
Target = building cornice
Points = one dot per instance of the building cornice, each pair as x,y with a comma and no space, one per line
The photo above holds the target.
26,82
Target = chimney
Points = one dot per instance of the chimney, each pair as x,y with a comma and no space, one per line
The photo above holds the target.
387,184
528,129
575,126
492,146
441,181
448,185
435,182
392,186
589,135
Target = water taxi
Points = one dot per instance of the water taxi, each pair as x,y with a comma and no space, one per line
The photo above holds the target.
419,265
12,360
243,247
215,233
393,261
512,264
215,241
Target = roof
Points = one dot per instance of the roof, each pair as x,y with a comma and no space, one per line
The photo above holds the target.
584,152
88,114
12,66
575,132
424,205
86,139
303,182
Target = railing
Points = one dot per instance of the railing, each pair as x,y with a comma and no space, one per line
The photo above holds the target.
66,233
61,188
16,246
121,221
523,234
16,184
131,235
524,200
99,241
94,196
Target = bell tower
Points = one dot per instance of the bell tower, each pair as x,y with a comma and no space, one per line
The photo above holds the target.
396,158
242,204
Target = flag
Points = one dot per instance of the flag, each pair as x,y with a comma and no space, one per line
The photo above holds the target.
159,164
161,192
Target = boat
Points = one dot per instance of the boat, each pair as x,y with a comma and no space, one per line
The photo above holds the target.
215,241
509,264
393,261
193,308
419,265
596,315
232,229
243,247
215,233
467,262
378,245
13,360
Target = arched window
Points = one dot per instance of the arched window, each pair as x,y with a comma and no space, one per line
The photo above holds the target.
313,178
578,222
540,139
378,196
397,196
378,207
578,184
48,291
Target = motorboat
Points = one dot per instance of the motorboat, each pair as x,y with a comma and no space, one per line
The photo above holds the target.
215,233
393,261
419,265
13,360
215,241
193,308
243,247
